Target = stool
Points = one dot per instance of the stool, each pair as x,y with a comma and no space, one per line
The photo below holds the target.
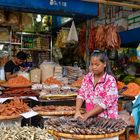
128,128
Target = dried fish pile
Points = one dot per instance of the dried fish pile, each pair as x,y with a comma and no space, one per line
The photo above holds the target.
93,126
24,133
14,107
51,108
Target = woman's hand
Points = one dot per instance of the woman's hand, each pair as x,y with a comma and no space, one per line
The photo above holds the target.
85,116
78,115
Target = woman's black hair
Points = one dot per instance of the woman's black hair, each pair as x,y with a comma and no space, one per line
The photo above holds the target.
104,59
21,55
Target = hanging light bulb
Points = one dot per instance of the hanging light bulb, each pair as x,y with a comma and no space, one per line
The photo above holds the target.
38,18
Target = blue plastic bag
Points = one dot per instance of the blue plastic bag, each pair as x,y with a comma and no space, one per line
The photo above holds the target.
136,114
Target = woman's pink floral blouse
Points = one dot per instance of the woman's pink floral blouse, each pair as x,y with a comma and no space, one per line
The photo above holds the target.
104,94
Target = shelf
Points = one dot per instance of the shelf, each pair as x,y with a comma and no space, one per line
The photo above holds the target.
7,42
4,42
14,43
33,34
40,50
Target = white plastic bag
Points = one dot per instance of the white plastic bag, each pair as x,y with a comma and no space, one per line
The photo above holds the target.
72,36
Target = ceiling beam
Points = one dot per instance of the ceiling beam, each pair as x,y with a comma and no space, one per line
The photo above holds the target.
134,0
114,3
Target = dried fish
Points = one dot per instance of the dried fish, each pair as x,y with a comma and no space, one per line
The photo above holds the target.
93,126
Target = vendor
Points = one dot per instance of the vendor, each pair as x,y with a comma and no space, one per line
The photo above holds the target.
99,90
13,66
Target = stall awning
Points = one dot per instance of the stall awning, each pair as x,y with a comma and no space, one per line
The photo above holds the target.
57,7
130,38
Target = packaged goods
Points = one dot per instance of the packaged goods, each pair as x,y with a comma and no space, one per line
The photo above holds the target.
47,69
35,75
72,36
24,74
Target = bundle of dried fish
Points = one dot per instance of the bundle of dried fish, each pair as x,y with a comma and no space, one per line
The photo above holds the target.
24,133
93,126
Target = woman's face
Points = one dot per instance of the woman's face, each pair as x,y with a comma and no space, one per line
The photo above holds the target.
96,66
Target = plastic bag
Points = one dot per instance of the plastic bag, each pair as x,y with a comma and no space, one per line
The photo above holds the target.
24,74
72,36
47,69
35,75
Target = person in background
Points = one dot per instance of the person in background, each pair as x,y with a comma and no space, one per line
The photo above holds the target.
99,90
13,66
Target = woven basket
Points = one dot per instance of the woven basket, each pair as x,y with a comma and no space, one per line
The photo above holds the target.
9,117
14,86
79,137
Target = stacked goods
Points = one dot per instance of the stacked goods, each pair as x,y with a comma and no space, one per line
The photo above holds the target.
27,133
47,69
52,81
38,43
14,108
73,73
134,20
78,82
61,38
58,72
133,90
18,92
57,92
55,110
35,75
18,81
42,42
52,89
92,126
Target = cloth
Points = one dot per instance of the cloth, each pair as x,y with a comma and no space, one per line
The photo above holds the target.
136,114
104,94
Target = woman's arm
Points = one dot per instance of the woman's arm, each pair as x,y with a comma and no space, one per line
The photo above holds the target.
79,103
97,110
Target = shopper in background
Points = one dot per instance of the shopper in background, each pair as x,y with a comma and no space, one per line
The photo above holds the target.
13,66
99,90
